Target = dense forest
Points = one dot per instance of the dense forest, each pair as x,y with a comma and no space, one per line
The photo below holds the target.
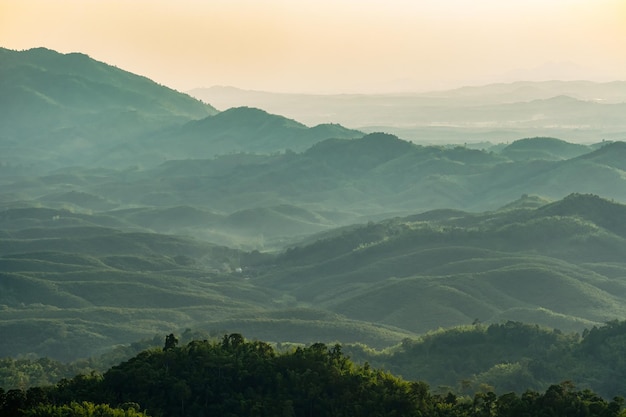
502,358
235,377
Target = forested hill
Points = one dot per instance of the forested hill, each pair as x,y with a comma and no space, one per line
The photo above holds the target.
70,107
245,129
235,377
508,357
560,265
377,175
71,281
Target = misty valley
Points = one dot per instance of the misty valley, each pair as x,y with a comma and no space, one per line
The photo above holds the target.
161,257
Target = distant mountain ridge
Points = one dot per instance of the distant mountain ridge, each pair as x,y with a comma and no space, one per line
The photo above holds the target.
580,111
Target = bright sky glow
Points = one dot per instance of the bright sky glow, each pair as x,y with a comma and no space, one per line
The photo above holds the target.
331,45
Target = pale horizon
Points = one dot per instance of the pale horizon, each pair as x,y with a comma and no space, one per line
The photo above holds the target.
327,47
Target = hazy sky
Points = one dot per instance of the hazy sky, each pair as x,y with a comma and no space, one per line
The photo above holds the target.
331,45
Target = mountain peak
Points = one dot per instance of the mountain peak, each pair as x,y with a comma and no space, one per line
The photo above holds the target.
251,117
381,136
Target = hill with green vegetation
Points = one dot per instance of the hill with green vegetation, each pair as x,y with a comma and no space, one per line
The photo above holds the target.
553,265
269,201
233,376
343,181
508,357
129,210
75,284
502,357
65,108
245,129
72,281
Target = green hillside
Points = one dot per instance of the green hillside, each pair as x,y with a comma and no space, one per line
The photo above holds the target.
509,356
72,285
244,129
233,376
81,275
64,108
378,176
542,265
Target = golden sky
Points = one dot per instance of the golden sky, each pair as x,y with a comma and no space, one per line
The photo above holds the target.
331,45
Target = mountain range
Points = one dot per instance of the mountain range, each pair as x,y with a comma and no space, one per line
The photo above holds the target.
68,109
128,209
580,111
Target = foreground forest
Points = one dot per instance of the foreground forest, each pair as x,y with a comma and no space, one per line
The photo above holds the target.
235,377
503,358
129,211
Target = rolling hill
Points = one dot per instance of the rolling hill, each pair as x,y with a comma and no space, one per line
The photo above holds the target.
544,265
81,283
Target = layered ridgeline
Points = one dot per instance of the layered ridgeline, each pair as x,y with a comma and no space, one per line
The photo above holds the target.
560,264
266,201
68,109
579,110
76,284
104,241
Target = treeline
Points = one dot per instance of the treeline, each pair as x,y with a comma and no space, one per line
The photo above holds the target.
26,372
235,377
508,357
502,357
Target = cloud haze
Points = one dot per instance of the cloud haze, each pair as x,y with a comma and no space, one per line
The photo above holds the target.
330,46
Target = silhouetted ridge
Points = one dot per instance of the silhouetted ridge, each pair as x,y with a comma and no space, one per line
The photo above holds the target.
371,150
249,117
543,148
544,142
562,98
